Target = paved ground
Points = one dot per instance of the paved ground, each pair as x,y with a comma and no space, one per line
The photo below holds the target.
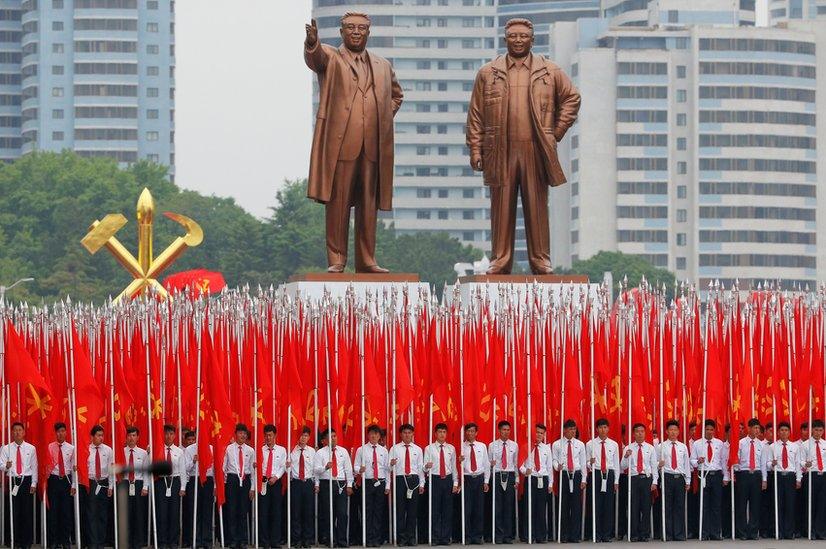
694,544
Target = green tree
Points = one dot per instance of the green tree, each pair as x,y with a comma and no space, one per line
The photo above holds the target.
621,265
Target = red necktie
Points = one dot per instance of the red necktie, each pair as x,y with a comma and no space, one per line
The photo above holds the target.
19,462
168,454
603,458
406,459
785,457
504,456
752,458
709,454
570,458
673,456
442,464
375,464
536,465
639,459
97,463
301,464
472,459
819,457
269,464
335,464
131,465
61,465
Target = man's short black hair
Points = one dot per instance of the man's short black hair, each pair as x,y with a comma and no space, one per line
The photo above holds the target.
710,423
754,422
440,427
96,429
169,428
471,425
270,428
306,430
602,421
804,425
672,422
241,428
132,429
406,427
569,423
637,425
374,429
503,423
189,434
16,423
817,423
541,426
59,425
784,424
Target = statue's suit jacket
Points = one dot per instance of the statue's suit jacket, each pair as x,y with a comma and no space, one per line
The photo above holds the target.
338,85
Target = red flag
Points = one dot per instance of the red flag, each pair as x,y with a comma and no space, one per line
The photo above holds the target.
89,404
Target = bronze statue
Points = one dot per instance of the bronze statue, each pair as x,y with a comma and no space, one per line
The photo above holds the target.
351,164
521,107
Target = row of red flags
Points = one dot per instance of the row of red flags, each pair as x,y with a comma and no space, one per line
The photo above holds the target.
238,359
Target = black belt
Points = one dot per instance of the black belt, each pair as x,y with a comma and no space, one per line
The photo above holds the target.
786,473
707,473
102,482
749,472
675,475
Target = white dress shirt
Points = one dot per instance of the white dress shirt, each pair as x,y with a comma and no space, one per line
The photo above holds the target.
482,461
107,459
664,451
68,458
744,451
364,457
191,466
546,461
559,452
809,452
231,465
279,460
495,456
719,456
793,452
308,455
28,456
649,460
593,450
343,465
140,461
176,455
432,455
399,453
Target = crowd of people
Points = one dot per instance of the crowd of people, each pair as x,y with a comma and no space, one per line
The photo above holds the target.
568,490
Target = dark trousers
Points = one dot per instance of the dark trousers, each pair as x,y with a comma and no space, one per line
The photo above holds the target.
188,503
818,512
786,504
136,513
97,513
801,519
767,509
406,508
168,510
355,183
302,518
505,506
270,506
205,513
640,508
712,505
674,500
22,505
474,507
236,511
538,511
375,501
61,507
747,494
694,507
339,517
622,507
442,517
603,503
570,506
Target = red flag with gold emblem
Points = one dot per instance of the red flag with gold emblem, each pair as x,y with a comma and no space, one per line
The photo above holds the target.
89,404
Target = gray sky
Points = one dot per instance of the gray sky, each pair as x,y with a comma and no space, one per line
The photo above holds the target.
243,98
243,107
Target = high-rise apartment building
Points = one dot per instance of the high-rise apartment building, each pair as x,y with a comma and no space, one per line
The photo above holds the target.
789,10
93,76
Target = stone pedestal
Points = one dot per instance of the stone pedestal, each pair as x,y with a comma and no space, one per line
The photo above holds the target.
381,286
487,287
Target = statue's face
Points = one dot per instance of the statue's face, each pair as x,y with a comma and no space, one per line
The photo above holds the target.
519,39
354,33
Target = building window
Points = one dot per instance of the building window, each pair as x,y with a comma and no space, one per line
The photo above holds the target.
152,49
442,107
673,16
681,143
682,191
151,27
468,236
442,214
423,22
681,264
57,4
442,151
468,214
441,44
57,136
681,120
57,70
57,25
681,96
682,168
422,193
152,71
152,114
441,128
682,216
57,48
682,43
57,114
574,237
422,65
575,212
441,86
468,193
151,136
57,92
422,214
422,150
442,193
681,239
151,92
153,158
422,128
151,4
680,71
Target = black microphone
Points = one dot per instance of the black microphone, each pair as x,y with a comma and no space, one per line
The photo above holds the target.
158,468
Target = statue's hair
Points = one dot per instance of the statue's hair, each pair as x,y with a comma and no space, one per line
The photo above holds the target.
519,21
355,14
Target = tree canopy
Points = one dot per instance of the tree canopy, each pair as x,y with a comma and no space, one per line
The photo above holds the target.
621,265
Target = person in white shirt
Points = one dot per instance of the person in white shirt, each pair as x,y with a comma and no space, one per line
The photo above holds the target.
372,462
801,523
169,490
570,460
641,461
407,466
440,463
60,488
709,456
203,513
475,482
815,468
188,499
101,484
786,465
136,482
270,500
300,466
675,463
750,482
20,460
603,460
239,471
503,455
333,477
537,468
767,497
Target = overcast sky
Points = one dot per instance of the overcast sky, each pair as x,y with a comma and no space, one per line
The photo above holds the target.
243,106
